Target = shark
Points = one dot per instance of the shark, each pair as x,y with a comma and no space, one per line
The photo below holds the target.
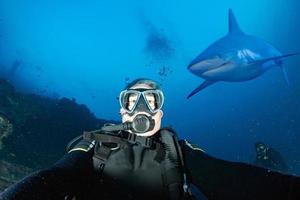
236,57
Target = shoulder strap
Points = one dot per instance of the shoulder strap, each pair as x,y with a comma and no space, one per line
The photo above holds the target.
101,155
106,137
144,141
103,137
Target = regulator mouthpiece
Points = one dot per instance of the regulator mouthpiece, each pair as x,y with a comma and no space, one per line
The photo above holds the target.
140,124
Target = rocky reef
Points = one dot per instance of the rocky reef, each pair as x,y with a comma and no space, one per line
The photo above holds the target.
35,130
11,172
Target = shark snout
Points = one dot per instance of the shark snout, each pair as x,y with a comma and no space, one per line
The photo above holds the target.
200,66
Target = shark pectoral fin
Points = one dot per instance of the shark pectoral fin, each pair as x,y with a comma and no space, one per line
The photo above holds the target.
272,58
286,77
201,87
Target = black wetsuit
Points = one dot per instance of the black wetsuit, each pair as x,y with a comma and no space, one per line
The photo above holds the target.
217,179
273,160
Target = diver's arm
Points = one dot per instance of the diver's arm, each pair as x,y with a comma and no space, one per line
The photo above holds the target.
219,179
67,176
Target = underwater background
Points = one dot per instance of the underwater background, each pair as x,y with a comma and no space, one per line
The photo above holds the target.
89,50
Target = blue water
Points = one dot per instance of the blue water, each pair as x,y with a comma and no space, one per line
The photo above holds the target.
88,50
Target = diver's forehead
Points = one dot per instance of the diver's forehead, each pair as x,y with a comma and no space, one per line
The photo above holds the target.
141,86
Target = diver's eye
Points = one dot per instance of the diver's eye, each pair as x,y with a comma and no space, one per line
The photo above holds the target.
151,101
131,101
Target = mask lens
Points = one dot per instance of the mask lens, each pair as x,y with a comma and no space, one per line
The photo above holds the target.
128,99
150,98
154,99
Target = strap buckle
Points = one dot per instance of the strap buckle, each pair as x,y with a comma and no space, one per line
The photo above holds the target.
131,138
144,141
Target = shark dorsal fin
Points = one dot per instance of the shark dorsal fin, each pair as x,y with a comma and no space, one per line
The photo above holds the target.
232,23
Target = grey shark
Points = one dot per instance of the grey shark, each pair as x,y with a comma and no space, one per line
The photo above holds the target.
235,57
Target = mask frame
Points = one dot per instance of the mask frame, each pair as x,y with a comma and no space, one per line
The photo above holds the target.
141,93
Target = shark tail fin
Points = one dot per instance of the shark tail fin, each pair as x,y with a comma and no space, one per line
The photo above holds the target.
233,25
285,74
200,87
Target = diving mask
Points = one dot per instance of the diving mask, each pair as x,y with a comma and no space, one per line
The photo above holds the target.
141,100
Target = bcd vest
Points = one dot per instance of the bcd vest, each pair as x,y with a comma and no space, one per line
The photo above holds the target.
145,167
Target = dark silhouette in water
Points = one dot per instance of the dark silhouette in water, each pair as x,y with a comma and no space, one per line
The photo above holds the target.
157,45
269,158
163,72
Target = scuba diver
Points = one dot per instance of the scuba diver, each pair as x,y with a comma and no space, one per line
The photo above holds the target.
138,159
269,158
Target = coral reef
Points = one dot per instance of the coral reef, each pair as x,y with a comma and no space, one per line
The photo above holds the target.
35,130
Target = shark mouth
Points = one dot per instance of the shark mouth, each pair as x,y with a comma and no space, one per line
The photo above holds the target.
207,65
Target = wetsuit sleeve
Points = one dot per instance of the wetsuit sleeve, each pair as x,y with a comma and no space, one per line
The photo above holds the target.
68,176
219,179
